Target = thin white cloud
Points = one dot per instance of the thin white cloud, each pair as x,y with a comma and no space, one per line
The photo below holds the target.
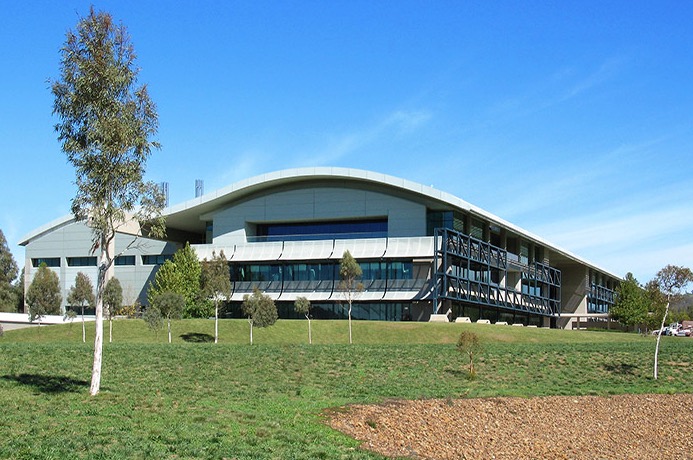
641,238
559,186
249,163
605,72
604,231
558,88
254,161
399,122
570,180
646,262
406,121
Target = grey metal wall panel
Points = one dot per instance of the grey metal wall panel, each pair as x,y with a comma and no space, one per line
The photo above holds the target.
405,218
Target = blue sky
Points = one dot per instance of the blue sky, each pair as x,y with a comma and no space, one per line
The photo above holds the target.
572,120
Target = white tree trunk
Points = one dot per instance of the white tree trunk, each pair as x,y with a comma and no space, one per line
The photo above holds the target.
84,328
216,322
350,342
110,330
310,335
98,335
251,332
659,337
169,330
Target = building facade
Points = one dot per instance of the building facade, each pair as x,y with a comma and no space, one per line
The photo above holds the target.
422,251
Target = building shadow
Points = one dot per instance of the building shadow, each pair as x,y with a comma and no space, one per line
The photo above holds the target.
620,368
48,383
196,337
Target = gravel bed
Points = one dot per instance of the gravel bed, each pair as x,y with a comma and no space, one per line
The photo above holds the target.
555,427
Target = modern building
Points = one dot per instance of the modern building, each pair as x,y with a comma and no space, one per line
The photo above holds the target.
422,251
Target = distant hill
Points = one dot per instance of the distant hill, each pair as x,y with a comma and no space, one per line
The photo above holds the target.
684,303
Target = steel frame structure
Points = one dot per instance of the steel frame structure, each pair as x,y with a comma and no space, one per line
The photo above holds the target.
457,256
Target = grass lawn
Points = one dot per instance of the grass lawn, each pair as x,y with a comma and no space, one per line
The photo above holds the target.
195,399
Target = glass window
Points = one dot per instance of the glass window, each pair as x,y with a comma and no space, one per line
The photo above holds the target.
478,275
309,272
495,239
524,253
125,260
372,270
529,287
477,230
452,220
506,316
301,231
81,261
495,276
209,232
155,259
400,270
240,273
539,254
49,261
458,222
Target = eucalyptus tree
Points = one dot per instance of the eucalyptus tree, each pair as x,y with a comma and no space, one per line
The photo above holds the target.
671,280
154,320
112,300
170,305
349,274
8,272
260,310
43,295
302,307
216,284
19,292
81,295
105,125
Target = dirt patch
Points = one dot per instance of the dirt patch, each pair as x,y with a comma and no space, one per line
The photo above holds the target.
556,427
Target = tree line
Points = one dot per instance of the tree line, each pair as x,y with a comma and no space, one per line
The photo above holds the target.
183,287
11,280
649,306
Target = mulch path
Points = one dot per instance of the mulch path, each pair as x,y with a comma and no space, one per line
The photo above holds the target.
554,427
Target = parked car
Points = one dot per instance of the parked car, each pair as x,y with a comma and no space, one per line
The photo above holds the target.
673,329
683,333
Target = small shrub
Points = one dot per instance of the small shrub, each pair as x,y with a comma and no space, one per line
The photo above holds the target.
130,311
469,344
154,319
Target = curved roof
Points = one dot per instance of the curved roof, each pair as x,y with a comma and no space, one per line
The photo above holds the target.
47,228
182,215
188,216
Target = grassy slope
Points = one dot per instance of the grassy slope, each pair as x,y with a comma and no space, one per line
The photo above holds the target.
230,400
325,332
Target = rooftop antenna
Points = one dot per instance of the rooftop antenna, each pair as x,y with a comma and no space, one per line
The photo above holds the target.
164,189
